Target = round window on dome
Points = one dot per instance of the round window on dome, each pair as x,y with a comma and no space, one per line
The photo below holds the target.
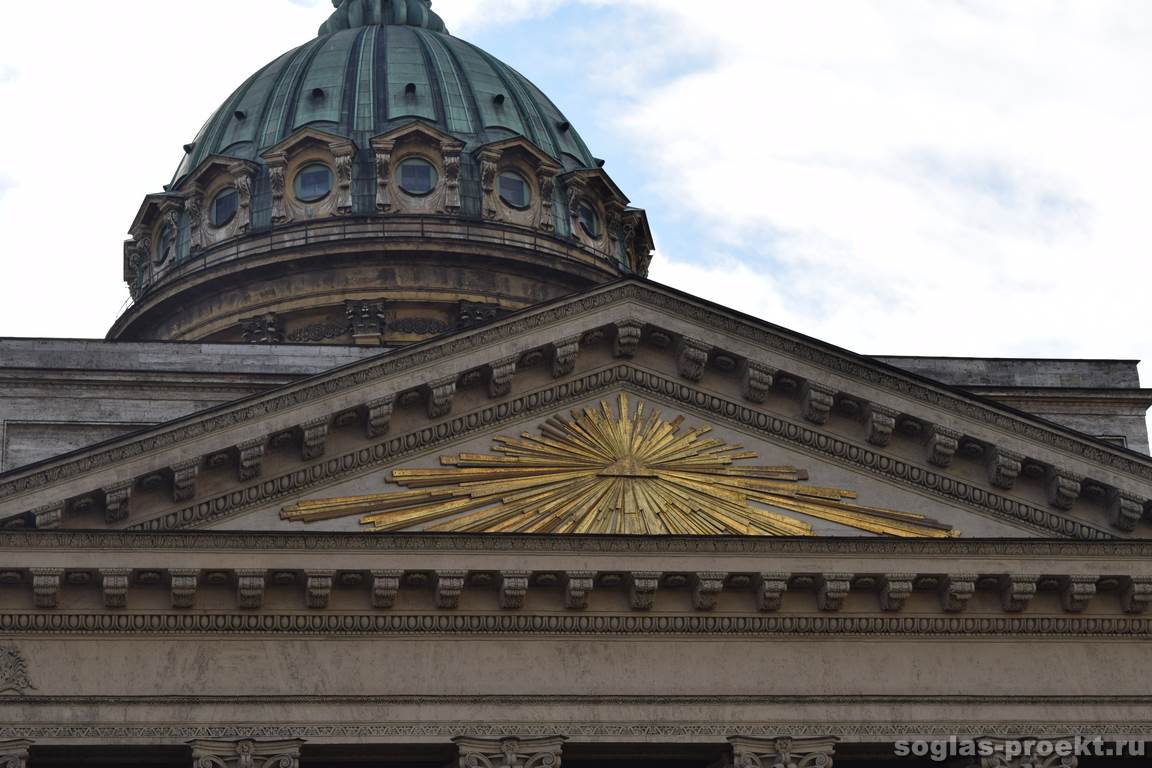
514,190
589,219
313,183
224,207
417,177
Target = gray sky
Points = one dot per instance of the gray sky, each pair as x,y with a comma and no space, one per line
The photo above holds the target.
956,177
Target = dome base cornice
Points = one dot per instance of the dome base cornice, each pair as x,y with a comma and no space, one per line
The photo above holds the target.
303,270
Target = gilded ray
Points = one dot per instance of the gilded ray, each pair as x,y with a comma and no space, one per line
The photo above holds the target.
613,470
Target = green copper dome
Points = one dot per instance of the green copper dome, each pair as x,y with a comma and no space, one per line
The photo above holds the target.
378,64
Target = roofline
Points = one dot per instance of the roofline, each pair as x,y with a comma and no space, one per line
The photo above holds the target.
645,282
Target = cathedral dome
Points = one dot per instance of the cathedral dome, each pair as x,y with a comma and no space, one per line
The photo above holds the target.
361,76
385,162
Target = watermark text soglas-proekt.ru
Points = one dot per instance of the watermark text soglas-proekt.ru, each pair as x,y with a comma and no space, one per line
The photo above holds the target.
940,750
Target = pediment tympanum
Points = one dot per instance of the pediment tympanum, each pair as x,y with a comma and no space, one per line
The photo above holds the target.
902,443
613,469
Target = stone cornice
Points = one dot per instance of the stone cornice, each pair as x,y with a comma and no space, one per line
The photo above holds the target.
646,384
572,311
711,731
1137,550
513,625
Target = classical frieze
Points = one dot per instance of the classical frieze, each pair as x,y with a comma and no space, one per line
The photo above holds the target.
515,623
828,590
711,731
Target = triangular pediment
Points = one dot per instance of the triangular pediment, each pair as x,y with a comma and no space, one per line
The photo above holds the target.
902,443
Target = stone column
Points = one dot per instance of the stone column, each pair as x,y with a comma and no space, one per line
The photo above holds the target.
782,752
510,752
246,753
14,754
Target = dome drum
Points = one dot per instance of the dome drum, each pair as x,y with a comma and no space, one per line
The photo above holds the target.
382,121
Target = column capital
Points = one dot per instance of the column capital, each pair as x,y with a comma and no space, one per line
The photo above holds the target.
782,752
246,753
510,752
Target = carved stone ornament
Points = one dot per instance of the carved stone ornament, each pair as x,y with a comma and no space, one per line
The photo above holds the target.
242,177
995,753
627,338
276,181
577,586
250,458
832,591
942,445
184,479
194,210
115,585
510,752
1124,510
379,416
489,169
14,754
956,590
246,753
564,355
265,329
692,358
896,590
817,401
440,396
451,158
383,150
449,586
1063,488
500,375
642,586
385,586
116,499
13,670
546,177
770,589
756,381
250,584
184,583
1076,592
513,589
879,423
48,517
344,157
1017,591
706,588
1004,467
366,319
783,752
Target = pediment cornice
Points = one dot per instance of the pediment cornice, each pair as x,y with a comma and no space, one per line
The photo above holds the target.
708,346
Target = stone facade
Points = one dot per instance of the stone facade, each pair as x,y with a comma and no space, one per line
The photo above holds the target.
453,485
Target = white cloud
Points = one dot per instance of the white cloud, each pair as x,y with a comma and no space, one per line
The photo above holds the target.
910,177
891,175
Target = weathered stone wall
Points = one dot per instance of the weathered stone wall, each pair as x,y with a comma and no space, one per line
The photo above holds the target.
1102,398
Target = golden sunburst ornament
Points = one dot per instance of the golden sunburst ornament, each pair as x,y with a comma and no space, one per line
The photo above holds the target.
612,471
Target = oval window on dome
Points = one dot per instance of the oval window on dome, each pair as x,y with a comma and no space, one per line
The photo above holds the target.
417,176
589,219
313,183
514,190
224,207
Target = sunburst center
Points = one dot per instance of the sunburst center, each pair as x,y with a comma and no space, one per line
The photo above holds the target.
627,466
